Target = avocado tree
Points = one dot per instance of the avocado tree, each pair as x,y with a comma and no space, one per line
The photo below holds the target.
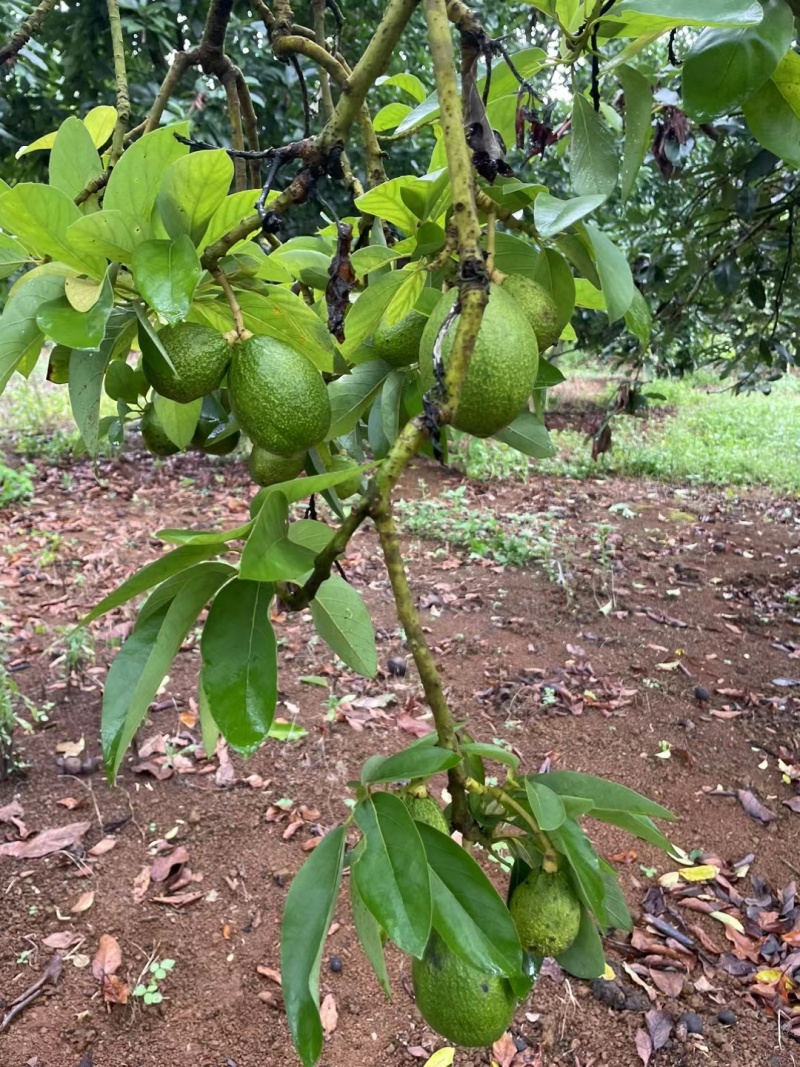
152,263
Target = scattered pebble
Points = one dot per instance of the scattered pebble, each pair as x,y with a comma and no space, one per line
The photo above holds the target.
727,1017
396,666
335,964
692,1022
701,694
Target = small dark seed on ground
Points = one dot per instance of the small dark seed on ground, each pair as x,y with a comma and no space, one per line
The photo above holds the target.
520,1044
701,693
396,666
335,964
692,1022
727,1017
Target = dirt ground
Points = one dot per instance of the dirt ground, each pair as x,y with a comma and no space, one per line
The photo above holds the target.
696,589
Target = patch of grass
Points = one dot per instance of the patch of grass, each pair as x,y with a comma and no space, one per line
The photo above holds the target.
487,460
15,484
507,538
712,438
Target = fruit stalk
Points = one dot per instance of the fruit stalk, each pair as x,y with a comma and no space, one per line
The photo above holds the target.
222,280
550,860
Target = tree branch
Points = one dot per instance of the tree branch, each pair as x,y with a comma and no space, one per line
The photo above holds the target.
121,76
28,28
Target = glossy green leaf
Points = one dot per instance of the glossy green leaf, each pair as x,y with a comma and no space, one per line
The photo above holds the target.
300,488
154,573
19,332
112,234
39,216
547,374
391,400
552,215
640,826
74,161
269,555
121,382
352,394
240,663
344,624
373,257
468,912
86,372
213,571
638,318
166,274
83,330
13,255
192,189
386,202
142,663
633,18
307,917
614,271
136,179
235,208
390,116
638,124
585,957
285,315
593,159
528,435
493,752
619,918
204,537
179,420
547,806
392,872
409,83
584,866
553,272
405,297
773,113
605,794
209,731
310,533
100,122
411,763
369,932
723,68
364,314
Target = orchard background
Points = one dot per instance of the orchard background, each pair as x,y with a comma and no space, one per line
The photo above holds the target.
598,589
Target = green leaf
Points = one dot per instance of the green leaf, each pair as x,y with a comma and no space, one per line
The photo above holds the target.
773,113
344,624
411,763
373,257
494,752
192,189
640,826
391,399
585,957
364,314
204,537
633,18
269,555
307,917
369,933
615,273
142,663
100,122
179,420
405,297
553,215
619,918
468,912
240,663
286,731
638,124
154,573
74,161
166,274
84,330
638,318
12,255
86,371
593,160
300,488
352,394
209,731
547,806
40,215
311,534
307,265
528,435
723,68
285,315
409,83
112,234
584,866
391,874
19,332
547,374
386,202
136,179
605,794
390,116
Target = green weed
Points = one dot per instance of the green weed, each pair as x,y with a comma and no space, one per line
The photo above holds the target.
15,484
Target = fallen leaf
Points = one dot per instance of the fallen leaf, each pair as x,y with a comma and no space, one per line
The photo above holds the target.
793,804
504,1050
108,957
71,748
728,920
115,990
443,1057
61,939
268,972
659,1026
669,982
105,844
12,811
705,873
141,884
164,866
179,900
644,1046
70,803
328,1014
83,903
417,727
47,842
754,808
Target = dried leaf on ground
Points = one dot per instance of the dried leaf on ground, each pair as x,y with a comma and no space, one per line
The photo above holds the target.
659,1027
644,1046
270,973
179,900
47,842
107,958
504,1050
115,989
165,866
141,884
417,727
71,748
328,1014
61,940
105,844
754,808
83,903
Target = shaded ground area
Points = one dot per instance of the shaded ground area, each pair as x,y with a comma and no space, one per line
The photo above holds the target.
589,658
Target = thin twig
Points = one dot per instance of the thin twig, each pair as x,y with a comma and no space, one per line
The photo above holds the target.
221,278
121,77
28,28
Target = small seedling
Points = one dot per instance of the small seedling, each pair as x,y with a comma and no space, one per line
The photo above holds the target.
149,991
